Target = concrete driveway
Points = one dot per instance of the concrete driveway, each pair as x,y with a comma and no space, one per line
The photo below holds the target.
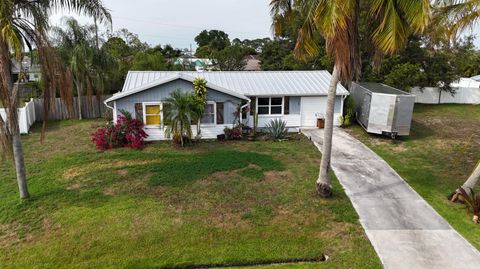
405,231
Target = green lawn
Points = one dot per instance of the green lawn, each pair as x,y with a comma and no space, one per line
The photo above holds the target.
164,207
436,158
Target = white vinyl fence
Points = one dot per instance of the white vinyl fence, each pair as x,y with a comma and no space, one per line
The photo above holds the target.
430,95
26,116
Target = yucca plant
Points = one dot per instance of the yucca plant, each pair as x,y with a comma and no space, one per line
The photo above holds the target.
472,200
277,129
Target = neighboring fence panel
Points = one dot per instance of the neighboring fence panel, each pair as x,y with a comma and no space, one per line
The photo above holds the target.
91,108
26,116
429,95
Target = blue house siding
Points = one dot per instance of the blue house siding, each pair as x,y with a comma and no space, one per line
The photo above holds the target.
162,92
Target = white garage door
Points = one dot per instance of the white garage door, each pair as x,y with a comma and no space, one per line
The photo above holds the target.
310,106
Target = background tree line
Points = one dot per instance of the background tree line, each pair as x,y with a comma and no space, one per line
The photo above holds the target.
100,62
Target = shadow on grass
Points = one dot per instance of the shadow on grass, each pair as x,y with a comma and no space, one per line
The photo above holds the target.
185,170
86,189
420,131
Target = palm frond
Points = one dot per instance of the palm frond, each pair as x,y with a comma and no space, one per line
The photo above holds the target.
337,21
397,20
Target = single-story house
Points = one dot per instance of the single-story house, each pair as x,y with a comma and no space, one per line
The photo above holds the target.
297,97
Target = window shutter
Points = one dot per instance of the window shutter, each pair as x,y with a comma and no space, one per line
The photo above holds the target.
139,111
220,119
286,105
253,104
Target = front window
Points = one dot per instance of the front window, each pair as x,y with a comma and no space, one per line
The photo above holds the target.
270,106
276,105
209,114
152,114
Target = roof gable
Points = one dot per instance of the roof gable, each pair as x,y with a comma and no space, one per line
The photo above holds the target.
167,79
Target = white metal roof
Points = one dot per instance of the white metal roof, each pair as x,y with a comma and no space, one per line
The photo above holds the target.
251,83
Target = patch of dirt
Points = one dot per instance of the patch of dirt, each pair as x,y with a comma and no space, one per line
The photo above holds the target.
122,172
228,221
9,235
138,185
284,214
77,171
450,127
226,217
337,230
109,191
222,175
276,175
75,186
253,166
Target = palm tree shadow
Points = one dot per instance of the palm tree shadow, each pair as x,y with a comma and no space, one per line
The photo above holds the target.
419,131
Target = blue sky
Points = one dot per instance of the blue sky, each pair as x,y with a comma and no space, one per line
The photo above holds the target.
177,22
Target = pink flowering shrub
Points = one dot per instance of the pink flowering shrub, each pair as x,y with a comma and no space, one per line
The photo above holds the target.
126,132
234,133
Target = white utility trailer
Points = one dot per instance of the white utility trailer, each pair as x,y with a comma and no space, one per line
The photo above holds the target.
382,109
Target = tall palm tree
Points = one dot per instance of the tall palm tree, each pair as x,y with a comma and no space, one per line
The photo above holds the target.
24,24
77,46
200,101
337,21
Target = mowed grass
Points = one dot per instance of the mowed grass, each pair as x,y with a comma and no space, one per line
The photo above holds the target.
436,158
164,207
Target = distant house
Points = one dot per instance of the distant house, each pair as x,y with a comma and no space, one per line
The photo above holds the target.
192,63
30,69
297,97
252,63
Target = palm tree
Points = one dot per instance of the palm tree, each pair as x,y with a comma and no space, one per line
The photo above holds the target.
456,16
24,24
77,46
178,116
200,101
337,21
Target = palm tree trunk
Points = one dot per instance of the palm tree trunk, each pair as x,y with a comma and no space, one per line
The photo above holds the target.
324,186
181,134
79,100
20,166
473,179
10,130
470,184
199,130
96,32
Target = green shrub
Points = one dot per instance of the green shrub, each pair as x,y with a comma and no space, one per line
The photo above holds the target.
348,112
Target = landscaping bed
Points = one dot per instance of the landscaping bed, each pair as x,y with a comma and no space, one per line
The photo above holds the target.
437,158
209,204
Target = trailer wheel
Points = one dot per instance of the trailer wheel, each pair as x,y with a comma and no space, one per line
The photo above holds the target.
393,136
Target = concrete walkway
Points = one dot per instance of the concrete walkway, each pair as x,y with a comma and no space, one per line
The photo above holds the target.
405,231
